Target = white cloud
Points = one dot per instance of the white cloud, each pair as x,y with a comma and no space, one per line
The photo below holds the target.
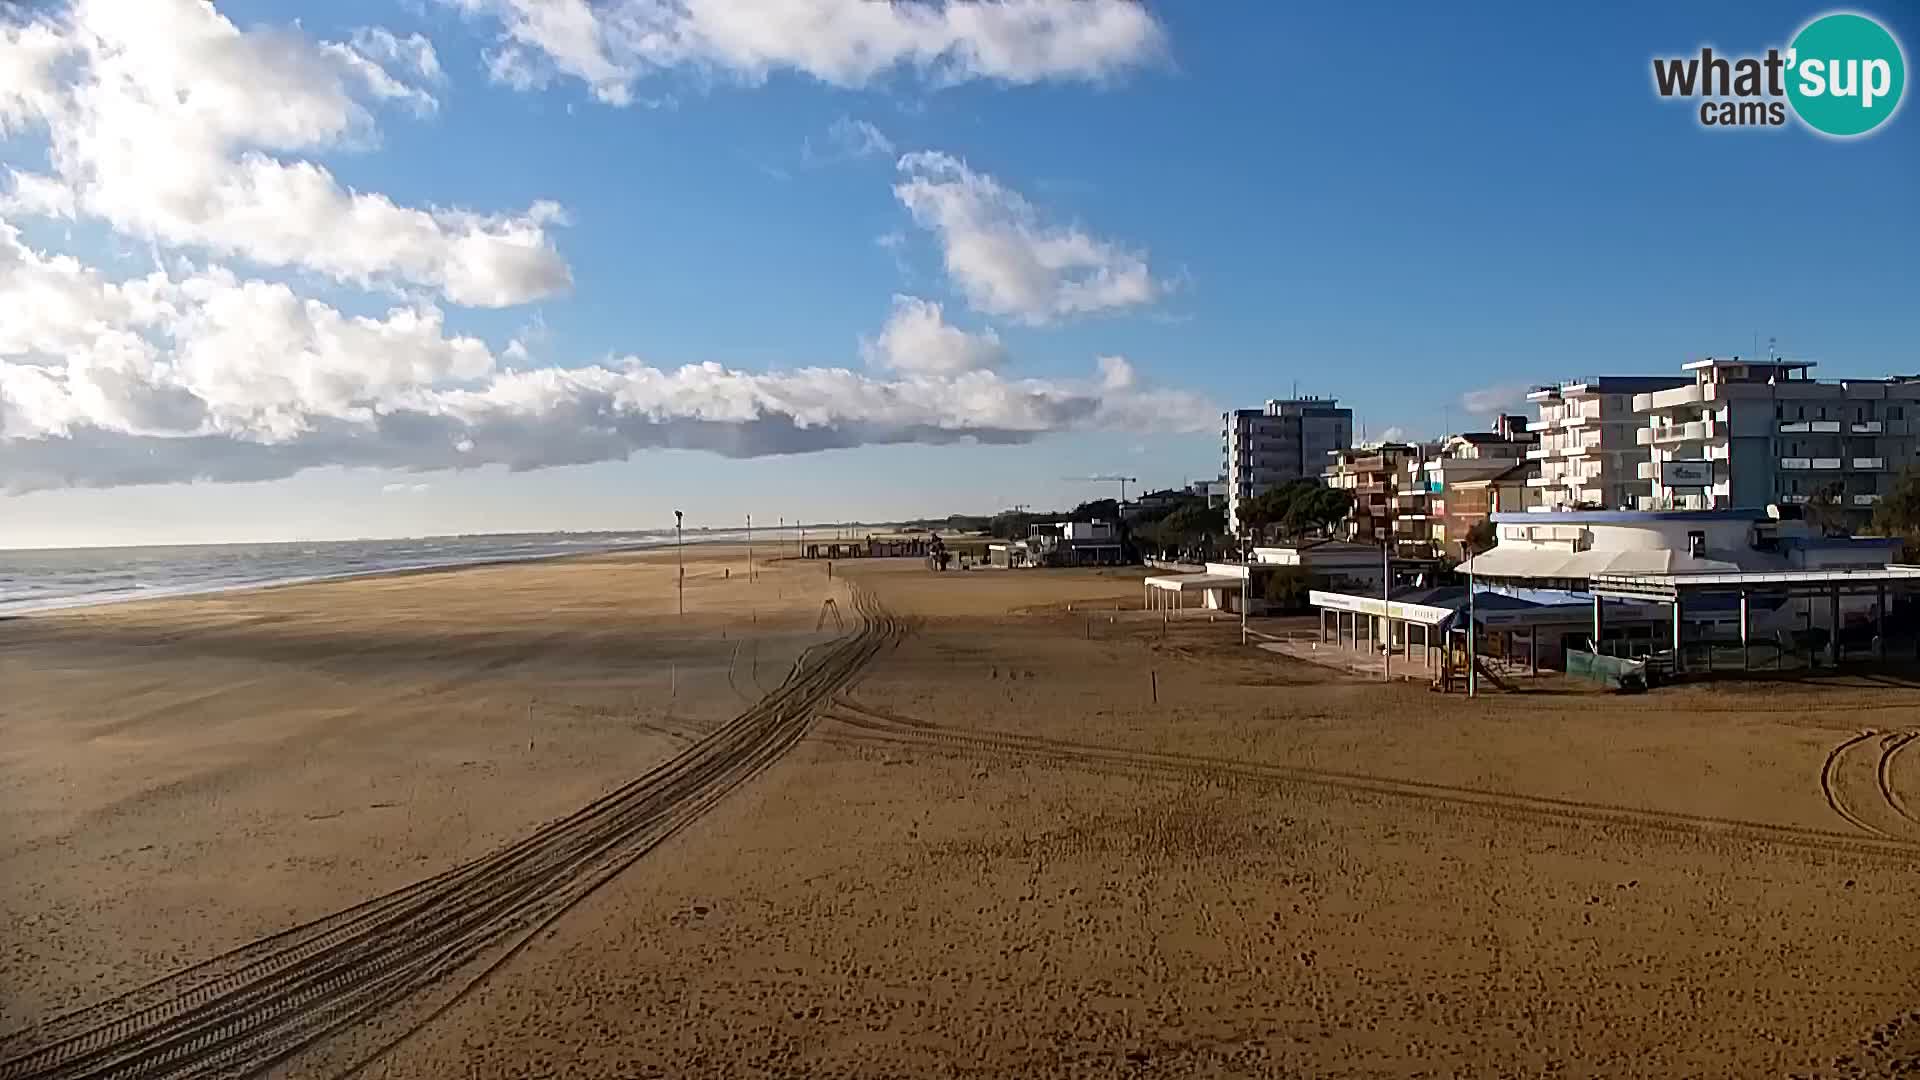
197,374
847,140
917,338
1005,259
1394,434
414,51
612,44
165,120
404,489
1495,400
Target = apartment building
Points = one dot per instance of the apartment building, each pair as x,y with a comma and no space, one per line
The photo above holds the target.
1376,476
1589,452
1432,505
1284,441
1468,480
1749,433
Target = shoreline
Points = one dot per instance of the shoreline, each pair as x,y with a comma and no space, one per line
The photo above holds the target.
76,602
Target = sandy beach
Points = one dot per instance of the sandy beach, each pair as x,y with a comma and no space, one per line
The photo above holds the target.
993,837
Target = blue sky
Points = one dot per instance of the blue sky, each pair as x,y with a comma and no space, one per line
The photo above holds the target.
1396,205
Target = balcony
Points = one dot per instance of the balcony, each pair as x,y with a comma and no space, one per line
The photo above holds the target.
1803,427
1796,463
1796,500
1675,502
1869,464
1666,433
1865,500
1867,427
1540,452
1668,399
1543,481
1825,463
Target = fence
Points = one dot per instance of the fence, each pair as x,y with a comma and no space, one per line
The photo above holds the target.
1610,671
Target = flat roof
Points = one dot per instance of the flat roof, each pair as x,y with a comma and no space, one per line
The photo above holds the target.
1623,517
1441,607
1734,361
1669,587
1183,582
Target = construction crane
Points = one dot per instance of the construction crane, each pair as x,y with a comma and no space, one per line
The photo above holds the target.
1123,481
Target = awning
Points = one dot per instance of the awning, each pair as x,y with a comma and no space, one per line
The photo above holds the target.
1547,564
1667,588
1189,582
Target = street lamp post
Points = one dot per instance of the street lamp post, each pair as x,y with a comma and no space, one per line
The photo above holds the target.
680,553
749,549
1473,646
1246,579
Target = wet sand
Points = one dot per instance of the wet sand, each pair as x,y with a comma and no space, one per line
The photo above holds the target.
995,853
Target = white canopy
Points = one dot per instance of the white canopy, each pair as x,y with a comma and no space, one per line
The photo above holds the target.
1546,563
1188,582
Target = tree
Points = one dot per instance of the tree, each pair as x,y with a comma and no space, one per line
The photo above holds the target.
1188,526
1898,513
1824,511
1315,508
1480,537
1194,519
1297,508
1097,510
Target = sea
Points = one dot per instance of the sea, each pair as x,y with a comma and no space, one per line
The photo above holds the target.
51,579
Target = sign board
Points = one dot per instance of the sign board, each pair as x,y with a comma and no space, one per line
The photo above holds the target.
1686,473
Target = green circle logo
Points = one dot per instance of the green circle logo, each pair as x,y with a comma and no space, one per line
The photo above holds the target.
1845,74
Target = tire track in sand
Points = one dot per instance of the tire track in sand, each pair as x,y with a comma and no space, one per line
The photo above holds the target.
386,966
861,723
1883,774
1857,779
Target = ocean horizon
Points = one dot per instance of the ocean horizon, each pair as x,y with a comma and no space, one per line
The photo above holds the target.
34,580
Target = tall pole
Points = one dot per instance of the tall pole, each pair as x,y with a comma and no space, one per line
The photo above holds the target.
749,548
1472,641
1386,610
1386,573
680,553
1246,578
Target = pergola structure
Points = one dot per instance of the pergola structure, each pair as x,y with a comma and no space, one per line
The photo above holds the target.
1675,589
1169,592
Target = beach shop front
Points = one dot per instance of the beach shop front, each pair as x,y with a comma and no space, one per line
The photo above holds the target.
1522,632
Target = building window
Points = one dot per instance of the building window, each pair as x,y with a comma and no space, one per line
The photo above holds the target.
1893,412
1779,412
1799,412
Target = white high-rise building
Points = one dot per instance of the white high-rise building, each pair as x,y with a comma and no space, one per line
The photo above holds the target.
1589,452
1743,434
1284,441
